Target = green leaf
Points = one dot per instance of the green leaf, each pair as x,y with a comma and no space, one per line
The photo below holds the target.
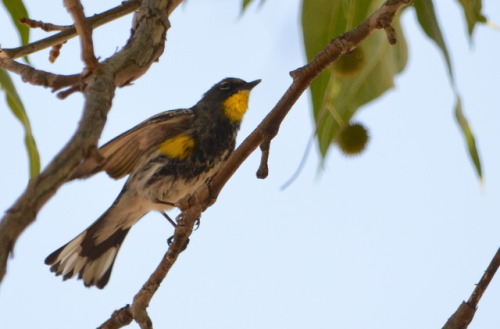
428,21
426,16
17,108
472,12
245,4
17,11
469,136
337,97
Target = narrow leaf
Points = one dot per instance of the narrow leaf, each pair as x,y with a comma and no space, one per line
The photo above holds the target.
469,136
428,21
426,16
339,92
17,10
245,4
472,11
17,108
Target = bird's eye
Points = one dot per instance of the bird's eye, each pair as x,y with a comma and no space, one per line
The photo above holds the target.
224,85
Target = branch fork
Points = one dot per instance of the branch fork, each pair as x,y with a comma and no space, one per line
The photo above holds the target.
99,87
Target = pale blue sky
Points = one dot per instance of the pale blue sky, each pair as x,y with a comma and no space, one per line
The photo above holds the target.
395,238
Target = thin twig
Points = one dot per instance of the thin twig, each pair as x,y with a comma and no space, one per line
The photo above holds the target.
84,29
267,134
38,77
485,280
47,27
466,311
68,91
263,170
95,21
55,51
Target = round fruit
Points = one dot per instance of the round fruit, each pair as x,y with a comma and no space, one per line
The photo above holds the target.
352,138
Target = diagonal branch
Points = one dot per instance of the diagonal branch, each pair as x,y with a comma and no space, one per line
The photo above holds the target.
485,280
302,78
192,206
466,311
137,311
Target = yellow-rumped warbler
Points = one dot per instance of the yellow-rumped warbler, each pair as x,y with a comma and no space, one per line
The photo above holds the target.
167,156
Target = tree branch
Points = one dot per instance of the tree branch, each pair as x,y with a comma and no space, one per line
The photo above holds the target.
55,51
193,205
47,27
149,32
302,78
466,311
95,21
263,170
138,310
38,77
84,29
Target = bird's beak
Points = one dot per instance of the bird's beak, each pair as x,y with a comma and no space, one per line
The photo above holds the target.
250,85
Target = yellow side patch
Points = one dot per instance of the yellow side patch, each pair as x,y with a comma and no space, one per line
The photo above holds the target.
177,147
236,105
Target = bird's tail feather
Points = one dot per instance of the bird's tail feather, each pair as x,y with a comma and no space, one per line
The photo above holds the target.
92,253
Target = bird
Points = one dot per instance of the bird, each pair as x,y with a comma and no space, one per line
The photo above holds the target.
166,157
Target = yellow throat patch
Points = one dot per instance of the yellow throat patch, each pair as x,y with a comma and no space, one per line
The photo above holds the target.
178,147
236,105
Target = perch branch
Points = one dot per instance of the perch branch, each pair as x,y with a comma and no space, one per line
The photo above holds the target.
138,310
193,205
